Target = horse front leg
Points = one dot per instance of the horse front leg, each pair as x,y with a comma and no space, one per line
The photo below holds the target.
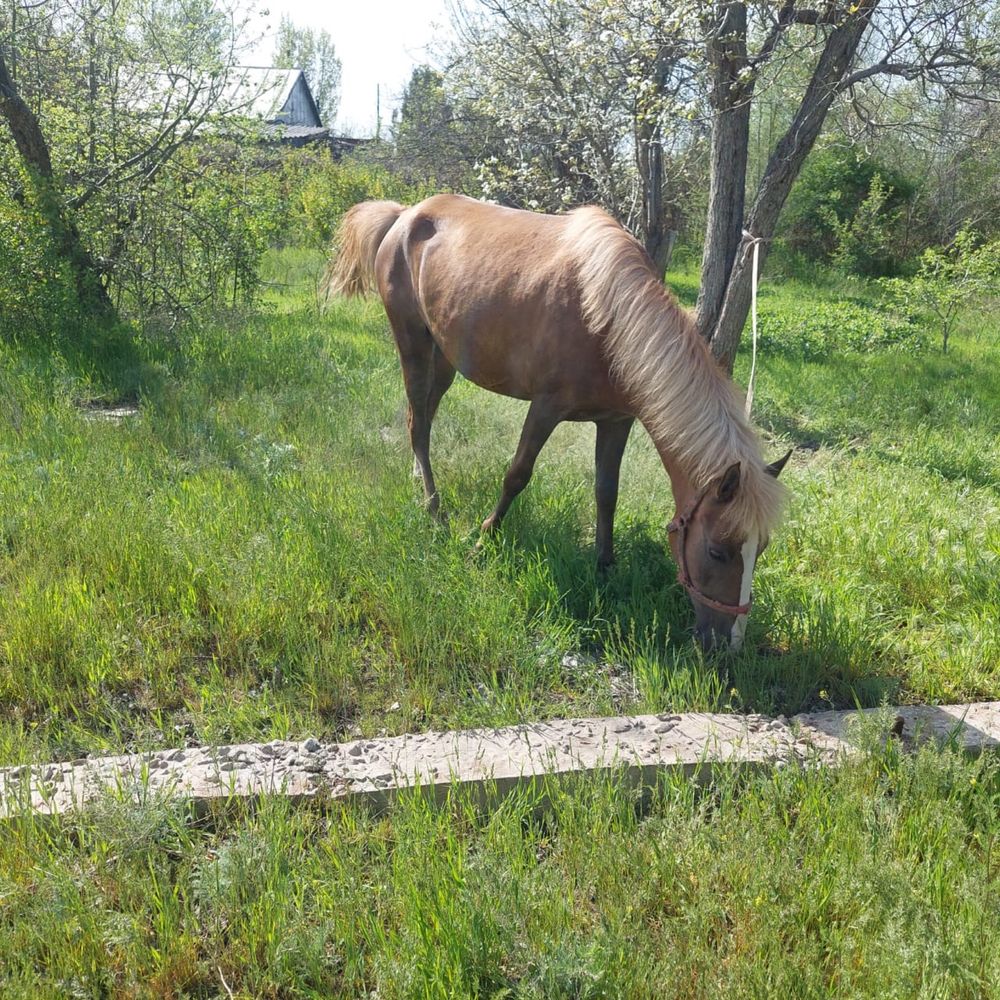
542,419
612,436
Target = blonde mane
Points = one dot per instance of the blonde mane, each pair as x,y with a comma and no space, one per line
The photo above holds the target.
683,398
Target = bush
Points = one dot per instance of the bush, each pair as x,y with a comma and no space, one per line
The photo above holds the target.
37,295
329,190
844,209
949,279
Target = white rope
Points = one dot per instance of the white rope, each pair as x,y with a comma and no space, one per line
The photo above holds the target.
755,242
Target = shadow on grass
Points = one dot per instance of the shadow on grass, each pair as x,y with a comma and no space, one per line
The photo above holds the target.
797,659
109,361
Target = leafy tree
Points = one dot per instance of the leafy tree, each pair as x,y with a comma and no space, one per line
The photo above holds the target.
433,136
101,97
948,279
313,52
38,186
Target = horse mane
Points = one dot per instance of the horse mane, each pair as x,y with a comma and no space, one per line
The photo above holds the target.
682,396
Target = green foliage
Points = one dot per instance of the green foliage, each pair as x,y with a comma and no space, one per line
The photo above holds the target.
864,241
329,189
821,330
845,208
197,235
949,280
130,98
37,293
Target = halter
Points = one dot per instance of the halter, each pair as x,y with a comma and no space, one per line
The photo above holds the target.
680,525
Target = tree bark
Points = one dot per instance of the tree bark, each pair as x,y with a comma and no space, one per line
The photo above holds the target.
34,151
658,235
782,169
727,54
658,222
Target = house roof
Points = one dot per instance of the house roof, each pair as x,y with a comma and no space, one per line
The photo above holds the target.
262,91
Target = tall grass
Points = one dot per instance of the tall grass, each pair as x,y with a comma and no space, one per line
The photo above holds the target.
248,558
877,879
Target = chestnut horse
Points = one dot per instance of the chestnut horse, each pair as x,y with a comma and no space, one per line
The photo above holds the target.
567,312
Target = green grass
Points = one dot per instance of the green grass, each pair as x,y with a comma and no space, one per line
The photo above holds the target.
877,879
249,559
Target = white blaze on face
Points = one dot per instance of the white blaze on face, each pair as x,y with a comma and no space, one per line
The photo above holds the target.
749,553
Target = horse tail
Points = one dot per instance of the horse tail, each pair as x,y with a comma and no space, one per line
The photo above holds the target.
351,270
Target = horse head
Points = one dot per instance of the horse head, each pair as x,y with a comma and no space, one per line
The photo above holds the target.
715,561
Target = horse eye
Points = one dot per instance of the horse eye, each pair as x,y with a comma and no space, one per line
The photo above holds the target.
717,554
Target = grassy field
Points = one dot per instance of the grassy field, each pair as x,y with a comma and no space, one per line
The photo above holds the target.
875,880
247,559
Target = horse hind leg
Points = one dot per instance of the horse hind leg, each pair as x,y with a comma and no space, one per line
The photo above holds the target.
443,374
541,421
416,358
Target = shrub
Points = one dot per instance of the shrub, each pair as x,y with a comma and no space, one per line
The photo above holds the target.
36,288
948,279
844,209
330,189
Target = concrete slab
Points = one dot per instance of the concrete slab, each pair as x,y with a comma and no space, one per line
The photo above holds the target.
639,747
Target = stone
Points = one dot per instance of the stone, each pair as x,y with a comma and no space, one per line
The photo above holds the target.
640,746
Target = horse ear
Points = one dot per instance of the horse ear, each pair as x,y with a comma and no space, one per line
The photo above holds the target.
774,469
729,483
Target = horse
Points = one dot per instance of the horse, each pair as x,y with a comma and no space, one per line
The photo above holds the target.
567,312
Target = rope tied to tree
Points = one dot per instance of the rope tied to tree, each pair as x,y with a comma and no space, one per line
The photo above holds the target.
751,241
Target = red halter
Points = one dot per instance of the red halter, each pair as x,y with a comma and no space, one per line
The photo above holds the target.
680,524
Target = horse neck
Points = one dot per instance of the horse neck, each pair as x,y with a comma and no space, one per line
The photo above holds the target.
682,483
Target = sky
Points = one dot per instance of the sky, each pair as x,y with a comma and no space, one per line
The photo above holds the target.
378,43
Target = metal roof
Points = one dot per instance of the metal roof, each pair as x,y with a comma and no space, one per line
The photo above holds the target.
261,91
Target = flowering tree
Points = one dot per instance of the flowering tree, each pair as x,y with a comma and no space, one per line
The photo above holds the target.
588,101
606,100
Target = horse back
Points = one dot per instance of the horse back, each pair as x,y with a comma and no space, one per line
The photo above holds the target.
498,290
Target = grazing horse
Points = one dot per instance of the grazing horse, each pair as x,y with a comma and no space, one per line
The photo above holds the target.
568,313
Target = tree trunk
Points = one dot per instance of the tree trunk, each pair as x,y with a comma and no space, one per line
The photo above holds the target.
782,169
658,236
34,150
727,54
